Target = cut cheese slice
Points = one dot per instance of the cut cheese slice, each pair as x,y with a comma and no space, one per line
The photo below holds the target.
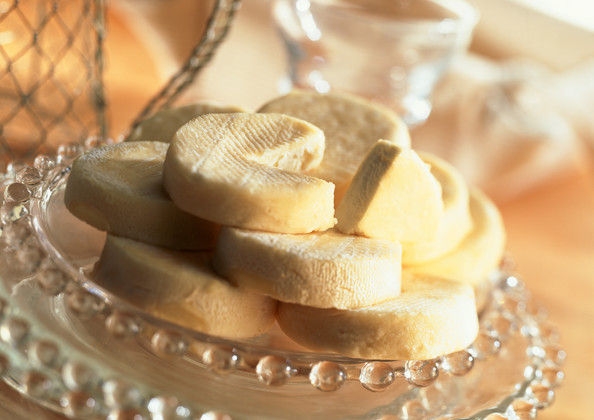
479,253
163,125
430,318
351,125
326,269
181,287
245,170
118,188
392,196
455,222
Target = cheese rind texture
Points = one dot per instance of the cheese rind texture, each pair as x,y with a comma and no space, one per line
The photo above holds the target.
163,125
180,286
247,170
431,317
324,269
351,125
118,189
394,274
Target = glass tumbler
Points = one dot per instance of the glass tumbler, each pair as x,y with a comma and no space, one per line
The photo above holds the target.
51,90
390,51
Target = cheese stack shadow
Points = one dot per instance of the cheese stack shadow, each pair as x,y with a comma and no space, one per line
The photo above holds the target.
314,211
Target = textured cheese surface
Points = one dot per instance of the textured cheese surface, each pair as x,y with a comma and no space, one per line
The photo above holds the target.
163,125
181,287
247,170
431,317
326,269
351,125
393,276
118,188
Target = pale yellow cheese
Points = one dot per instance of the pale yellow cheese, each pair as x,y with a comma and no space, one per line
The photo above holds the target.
479,253
351,124
118,188
182,288
431,317
246,170
163,125
392,196
323,269
455,222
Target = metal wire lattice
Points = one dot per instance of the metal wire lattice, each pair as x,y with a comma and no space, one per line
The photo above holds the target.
51,64
51,69
217,28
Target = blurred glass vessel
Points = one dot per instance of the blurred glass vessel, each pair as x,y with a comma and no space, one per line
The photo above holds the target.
393,52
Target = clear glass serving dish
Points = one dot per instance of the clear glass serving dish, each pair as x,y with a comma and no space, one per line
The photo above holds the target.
73,347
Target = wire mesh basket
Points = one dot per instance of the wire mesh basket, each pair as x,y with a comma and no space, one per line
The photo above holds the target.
51,73
51,89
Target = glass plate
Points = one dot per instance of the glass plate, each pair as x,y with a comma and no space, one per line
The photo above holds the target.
74,348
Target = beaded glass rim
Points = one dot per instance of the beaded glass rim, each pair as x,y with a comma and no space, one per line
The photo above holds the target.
32,364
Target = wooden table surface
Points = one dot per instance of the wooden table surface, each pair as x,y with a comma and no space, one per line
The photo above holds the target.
550,228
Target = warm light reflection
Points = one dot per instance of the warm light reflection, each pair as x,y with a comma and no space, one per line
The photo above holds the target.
576,12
